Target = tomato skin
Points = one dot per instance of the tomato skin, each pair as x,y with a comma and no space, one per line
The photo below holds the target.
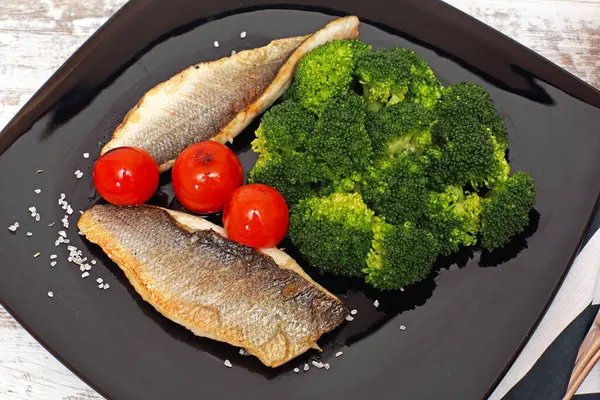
126,176
204,176
256,215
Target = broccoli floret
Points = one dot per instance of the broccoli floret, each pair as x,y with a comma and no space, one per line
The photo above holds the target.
340,140
453,218
467,154
400,255
284,128
506,210
333,233
271,169
326,72
396,187
283,163
501,168
395,75
402,126
470,102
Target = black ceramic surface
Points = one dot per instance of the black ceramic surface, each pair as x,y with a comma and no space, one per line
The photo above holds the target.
463,326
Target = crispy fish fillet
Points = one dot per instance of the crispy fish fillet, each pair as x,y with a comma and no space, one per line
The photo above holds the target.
185,267
218,99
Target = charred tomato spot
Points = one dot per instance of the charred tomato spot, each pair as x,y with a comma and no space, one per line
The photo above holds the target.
203,157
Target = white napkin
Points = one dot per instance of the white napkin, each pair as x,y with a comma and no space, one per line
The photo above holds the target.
575,294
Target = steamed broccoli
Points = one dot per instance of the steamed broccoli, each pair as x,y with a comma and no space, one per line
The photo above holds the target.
454,218
506,210
381,184
401,255
333,233
325,72
396,187
340,140
401,126
469,102
395,75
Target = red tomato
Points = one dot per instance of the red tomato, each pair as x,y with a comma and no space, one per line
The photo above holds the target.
256,215
204,175
126,176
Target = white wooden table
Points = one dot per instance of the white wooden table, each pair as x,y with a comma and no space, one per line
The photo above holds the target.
36,36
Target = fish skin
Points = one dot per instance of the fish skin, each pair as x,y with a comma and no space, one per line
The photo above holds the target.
217,100
213,286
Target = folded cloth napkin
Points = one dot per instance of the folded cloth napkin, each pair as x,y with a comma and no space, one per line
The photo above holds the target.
575,294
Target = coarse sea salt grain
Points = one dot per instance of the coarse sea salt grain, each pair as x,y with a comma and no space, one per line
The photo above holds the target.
233,52
216,43
99,280
53,256
62,233
243,34
227,362
37,217
402,328
85,274
13,228
29,234
296,370
50,294
339,353
306,367
327,366
349,318
376,303
106,286
38,191
354,312
53,264
32,210
86,155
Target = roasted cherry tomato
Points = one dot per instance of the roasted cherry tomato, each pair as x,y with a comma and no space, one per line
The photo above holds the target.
256,215
204,175
126,176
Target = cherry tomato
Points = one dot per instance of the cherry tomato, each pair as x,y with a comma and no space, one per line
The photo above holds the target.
126,176
256,215
204,175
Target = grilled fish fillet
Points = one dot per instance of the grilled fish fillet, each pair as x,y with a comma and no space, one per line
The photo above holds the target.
185,267
218,99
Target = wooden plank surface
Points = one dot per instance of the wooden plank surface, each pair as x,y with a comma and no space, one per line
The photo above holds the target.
36,36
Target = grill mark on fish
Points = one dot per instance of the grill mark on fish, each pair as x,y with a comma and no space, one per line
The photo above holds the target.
213,286
217,100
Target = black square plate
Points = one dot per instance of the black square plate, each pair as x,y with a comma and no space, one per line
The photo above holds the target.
459,338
